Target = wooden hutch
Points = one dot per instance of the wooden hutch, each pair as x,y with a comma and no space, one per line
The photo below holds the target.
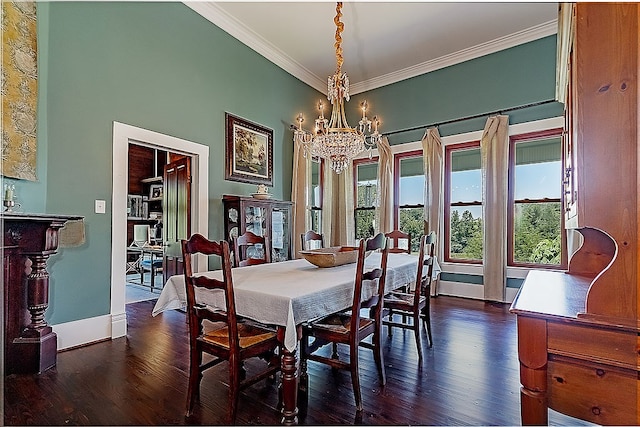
578,334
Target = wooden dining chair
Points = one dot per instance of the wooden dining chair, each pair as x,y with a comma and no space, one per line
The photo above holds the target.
232,339
247,242
416,304
348,327
311,236
396,237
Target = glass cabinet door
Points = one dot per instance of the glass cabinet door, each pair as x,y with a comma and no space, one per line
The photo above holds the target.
280,244
256,220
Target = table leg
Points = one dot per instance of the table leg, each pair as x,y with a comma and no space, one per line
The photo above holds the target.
532,352
289,387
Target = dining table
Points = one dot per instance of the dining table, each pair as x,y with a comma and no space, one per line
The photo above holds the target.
288,294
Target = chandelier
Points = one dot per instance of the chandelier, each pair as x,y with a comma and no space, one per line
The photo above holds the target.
334,140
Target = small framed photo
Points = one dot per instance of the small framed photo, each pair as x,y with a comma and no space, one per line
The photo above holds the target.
155,191
249,151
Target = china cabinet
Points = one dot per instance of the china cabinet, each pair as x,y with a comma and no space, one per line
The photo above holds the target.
263,217
578,331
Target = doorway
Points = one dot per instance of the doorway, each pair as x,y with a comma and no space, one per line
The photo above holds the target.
124,134
158,216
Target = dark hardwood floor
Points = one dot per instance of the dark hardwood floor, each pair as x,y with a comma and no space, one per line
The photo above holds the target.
469,377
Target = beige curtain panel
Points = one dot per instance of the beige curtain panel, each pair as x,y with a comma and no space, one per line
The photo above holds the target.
300,195
338,224
494,151
433,158
384,213
432,155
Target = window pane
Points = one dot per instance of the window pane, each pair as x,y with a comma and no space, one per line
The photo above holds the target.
412,222
315,184
538,181
316,221
465,234
364,223
537,223
367,175
537,233
411,181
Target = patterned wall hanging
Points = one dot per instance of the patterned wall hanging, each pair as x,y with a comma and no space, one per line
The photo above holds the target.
19,87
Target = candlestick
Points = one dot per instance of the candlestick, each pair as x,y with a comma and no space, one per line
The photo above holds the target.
8,192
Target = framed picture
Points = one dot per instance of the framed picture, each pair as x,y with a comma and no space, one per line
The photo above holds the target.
155,191
249,151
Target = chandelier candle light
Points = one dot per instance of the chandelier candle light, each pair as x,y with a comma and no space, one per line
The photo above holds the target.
334,140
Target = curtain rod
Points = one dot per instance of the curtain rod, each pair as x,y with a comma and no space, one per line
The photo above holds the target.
475,116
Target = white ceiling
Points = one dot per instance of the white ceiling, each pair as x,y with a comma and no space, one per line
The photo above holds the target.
383,42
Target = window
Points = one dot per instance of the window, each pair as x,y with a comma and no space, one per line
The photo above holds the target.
409,195
366,195
315,195
535,203
463,203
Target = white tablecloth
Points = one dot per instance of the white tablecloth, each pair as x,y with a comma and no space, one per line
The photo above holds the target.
291,292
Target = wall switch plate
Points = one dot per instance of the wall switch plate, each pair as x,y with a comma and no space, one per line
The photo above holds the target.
101,206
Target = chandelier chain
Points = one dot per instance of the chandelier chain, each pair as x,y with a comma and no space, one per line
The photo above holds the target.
338,43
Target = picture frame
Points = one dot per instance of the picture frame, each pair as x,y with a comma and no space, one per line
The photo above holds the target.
249,151
155,191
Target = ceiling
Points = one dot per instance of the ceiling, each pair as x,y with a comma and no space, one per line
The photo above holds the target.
383,42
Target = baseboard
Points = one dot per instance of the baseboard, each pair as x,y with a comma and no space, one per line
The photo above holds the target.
468,290
87,331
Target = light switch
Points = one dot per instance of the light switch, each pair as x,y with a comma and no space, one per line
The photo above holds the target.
101,206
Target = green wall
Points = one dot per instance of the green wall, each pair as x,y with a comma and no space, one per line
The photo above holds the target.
158,66
162,67
510,78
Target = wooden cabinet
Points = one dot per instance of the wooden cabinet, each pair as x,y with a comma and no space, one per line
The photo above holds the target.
264,217
578,331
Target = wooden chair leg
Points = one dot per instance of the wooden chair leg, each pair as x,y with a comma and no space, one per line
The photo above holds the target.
377,354
426,316
355,377
389,333
234,389
416,332
193,389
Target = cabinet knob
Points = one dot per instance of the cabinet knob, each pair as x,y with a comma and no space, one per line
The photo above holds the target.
600,372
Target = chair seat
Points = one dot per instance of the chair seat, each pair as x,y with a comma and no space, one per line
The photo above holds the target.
249,335
401,301
340,323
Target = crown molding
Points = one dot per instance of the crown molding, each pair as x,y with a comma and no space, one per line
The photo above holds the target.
502,43
219,17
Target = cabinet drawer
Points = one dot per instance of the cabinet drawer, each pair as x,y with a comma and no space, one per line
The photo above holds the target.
593,392
613,347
